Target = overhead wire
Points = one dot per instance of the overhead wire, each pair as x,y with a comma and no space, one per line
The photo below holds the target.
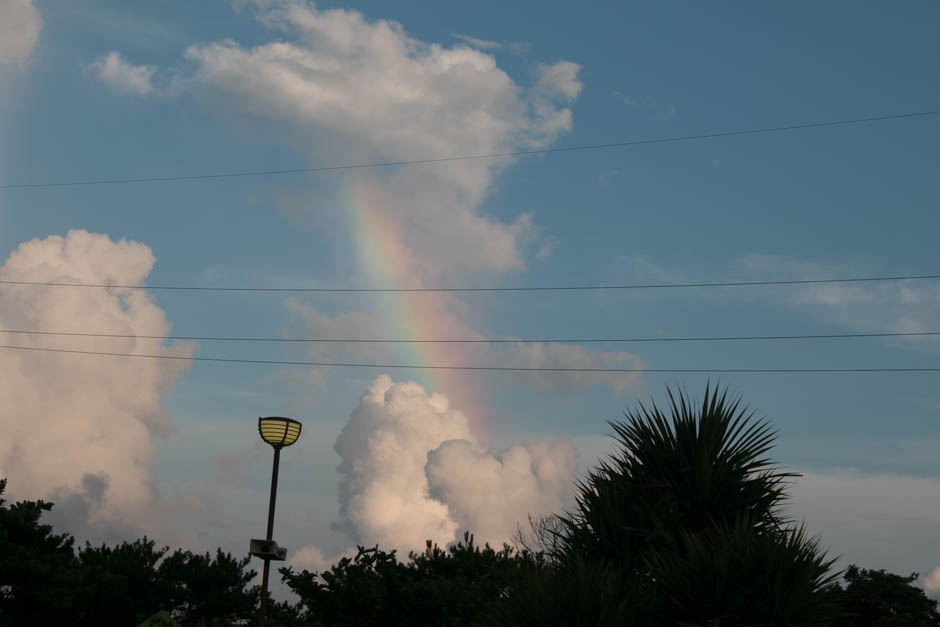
535,288
547,340
622,144
494,155
477,368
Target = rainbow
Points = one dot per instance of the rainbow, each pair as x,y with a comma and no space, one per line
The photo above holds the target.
384,259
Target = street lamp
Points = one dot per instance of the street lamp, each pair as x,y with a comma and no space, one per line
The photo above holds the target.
278,432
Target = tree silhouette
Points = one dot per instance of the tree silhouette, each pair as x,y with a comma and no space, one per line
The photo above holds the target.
435,587
123,584
875,598
684,521
681,526
209,590
40,581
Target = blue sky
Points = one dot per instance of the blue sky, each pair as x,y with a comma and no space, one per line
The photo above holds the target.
194,90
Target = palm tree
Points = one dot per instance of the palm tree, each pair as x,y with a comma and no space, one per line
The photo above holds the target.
686,516
701,466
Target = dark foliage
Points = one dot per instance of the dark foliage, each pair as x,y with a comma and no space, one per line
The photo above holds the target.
875,598
40,583
688,513
44,582
208,590
436,587
576,593
122,582
692,470
681,527
735,575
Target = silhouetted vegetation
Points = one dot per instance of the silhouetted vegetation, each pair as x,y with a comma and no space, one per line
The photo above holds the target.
681,526
875,598
44,581
437,587
40,580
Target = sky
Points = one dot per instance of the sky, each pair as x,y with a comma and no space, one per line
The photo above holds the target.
107,91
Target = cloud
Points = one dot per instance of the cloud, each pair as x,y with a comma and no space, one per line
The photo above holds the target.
20,24
667,112
559,79
548,247
887,306
135,79
623,98
911,454
69,417
490,493
228,468
312,558
198,504
411,472
348,89
873,520
932,582
485,44
645,268
81,511
482,44
541,355
384,448
890,306
344,88
448,323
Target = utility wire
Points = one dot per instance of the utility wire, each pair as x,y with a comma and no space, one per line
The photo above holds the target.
479,368
726,338
547,288
495,155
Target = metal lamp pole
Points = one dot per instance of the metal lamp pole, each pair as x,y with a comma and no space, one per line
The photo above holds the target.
278,432
262,619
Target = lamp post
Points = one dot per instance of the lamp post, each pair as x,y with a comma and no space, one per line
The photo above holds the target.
278,432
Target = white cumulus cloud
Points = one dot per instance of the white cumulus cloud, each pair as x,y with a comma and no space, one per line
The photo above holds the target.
349,89
384,448
20,24
114,70
80,427
411,472
489,494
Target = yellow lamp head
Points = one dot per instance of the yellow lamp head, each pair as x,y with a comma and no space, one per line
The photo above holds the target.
279,432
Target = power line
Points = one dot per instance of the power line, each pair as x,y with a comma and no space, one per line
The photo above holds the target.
479,368
547,288
613,340
495,155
